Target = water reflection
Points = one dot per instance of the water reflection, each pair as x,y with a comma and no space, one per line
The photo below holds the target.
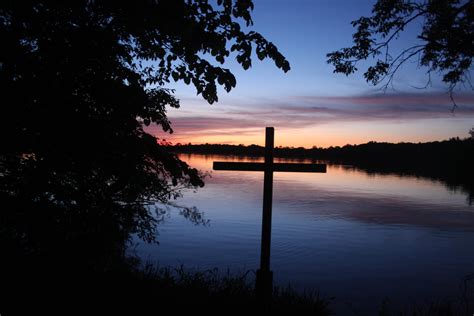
354,235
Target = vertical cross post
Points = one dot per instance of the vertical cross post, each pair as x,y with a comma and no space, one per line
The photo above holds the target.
264,282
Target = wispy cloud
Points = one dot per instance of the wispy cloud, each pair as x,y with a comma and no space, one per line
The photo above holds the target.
380,99
306,111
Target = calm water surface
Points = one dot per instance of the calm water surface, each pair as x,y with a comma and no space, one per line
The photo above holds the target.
357,237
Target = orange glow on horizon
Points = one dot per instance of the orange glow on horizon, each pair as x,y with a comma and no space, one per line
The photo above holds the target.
327,135
307,121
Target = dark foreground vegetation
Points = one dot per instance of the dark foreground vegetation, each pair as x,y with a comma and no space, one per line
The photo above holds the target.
133,288
450,161
130,286
79,175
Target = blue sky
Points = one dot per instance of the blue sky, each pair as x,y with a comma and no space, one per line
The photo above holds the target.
310,105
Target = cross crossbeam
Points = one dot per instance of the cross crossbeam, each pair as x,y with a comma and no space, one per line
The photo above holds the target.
264,281
276,167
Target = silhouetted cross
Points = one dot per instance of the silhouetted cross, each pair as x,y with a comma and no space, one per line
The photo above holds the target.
264,280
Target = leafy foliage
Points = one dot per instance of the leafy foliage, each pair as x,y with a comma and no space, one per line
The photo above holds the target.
80,79
445,43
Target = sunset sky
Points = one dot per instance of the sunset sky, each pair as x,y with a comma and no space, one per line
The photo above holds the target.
311,106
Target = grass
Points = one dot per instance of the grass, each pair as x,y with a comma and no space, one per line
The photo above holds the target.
143,288
210,290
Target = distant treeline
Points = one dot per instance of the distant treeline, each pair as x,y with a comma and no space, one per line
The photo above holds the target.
455,150
451,161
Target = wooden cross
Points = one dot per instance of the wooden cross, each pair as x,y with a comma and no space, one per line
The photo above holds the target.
264,280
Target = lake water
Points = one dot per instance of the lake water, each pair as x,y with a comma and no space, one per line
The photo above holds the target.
356,237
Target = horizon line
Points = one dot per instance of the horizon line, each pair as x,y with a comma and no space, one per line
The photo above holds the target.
314,146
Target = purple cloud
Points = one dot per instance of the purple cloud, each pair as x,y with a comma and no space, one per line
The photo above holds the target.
305,111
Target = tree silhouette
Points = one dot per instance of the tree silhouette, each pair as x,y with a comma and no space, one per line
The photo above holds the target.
80,79
445,41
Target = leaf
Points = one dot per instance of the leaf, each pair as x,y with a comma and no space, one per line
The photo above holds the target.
175,75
